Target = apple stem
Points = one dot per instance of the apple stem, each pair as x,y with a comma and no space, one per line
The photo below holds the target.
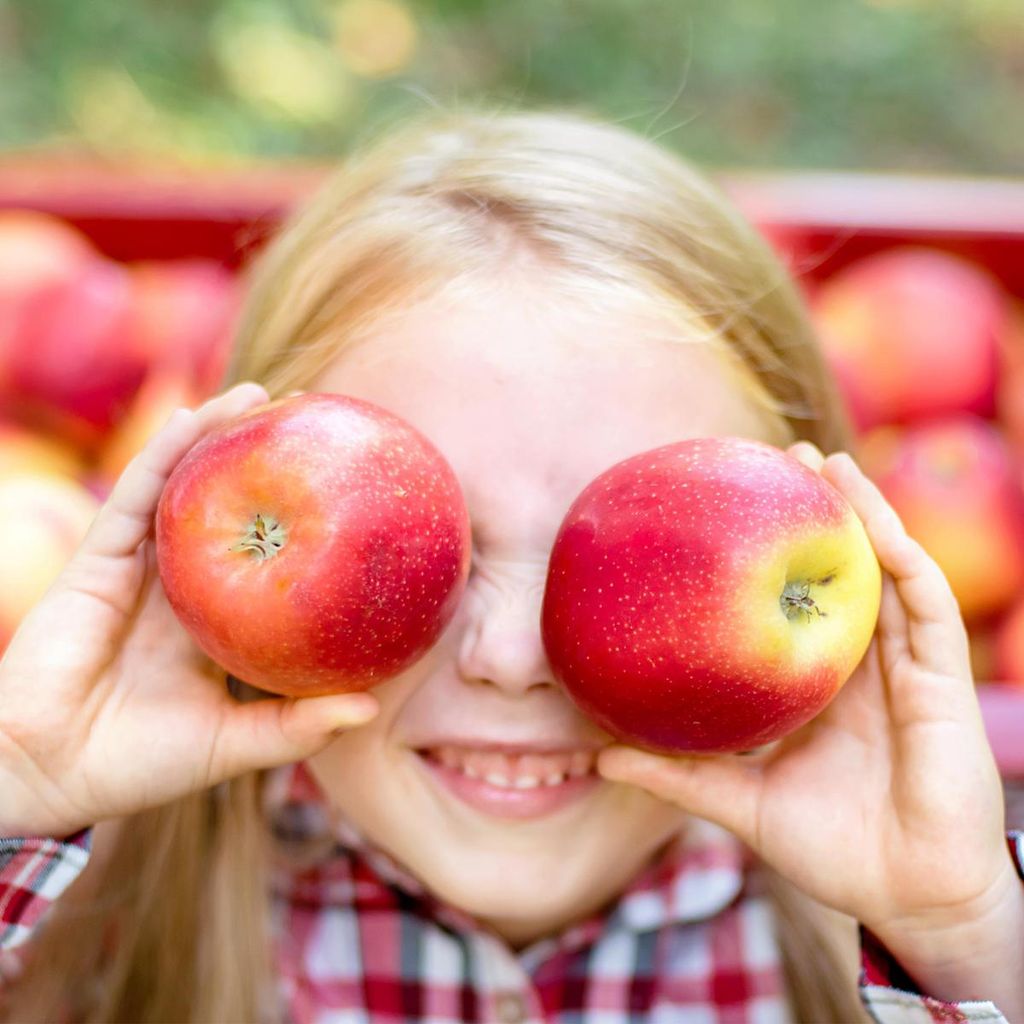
796,598
264,537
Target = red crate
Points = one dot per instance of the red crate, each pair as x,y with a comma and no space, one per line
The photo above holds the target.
824,221
820,221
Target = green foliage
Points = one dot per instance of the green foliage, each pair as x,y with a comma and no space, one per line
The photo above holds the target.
880,84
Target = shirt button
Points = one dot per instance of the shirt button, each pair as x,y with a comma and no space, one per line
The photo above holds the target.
511,1008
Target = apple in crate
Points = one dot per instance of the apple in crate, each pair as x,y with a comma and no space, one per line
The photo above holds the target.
67,363
184,313
43,518
912,332
317,544
37,250
711,595
955,484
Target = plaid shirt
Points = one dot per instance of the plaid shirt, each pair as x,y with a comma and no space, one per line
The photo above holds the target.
357,939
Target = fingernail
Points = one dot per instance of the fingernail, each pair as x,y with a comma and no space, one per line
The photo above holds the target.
840,458
248,385
358,714
810,449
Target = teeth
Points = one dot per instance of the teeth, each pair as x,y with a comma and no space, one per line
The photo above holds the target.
516,771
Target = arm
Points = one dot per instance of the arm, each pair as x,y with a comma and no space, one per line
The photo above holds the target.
107,706
892,984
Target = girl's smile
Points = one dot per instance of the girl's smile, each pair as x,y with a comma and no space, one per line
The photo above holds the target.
512,780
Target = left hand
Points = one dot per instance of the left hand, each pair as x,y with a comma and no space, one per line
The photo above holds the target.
887,806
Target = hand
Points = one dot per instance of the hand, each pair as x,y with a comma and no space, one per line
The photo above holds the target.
107,706
887,806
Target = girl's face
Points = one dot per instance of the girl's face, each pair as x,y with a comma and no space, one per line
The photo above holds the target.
478,775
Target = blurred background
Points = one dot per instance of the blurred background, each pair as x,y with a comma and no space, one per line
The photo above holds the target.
923,85
146,148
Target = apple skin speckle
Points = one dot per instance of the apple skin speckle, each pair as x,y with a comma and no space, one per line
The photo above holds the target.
376,545
662,615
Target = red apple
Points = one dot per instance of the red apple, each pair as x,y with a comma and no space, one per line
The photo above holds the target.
318,544
955,484
43,518
912,332
37,250
184,312
68,363
710,595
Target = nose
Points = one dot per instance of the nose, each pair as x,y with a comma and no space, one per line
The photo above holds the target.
501,645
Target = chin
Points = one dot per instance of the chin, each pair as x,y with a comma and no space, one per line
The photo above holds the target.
527,869
527,879
493,883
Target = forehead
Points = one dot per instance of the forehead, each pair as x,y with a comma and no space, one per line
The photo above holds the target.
530,398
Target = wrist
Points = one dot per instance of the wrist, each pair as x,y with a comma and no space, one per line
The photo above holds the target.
966,952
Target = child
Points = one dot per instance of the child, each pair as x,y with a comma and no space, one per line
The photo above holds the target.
543,297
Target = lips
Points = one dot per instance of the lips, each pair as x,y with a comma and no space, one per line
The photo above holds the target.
512,784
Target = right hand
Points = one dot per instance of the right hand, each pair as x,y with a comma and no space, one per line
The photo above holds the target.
107,706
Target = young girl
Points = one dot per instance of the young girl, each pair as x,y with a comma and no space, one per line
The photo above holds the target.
542,297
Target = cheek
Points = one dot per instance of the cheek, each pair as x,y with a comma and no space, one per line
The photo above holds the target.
344,768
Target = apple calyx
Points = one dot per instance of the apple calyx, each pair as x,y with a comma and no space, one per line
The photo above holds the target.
264,537
796,598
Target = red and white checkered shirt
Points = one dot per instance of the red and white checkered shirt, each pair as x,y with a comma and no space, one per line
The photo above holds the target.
357,939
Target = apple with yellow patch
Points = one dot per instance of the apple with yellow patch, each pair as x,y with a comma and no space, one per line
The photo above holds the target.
709,596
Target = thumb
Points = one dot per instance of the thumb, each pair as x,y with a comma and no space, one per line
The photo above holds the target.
721,788
279,730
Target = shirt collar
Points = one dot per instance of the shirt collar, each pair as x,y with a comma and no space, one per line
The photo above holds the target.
698,874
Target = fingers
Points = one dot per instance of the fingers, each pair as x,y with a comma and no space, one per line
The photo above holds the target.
935,632
809,454
275,731
125,519
721,789
893,626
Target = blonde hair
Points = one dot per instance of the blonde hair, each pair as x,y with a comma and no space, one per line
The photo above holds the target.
177,929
